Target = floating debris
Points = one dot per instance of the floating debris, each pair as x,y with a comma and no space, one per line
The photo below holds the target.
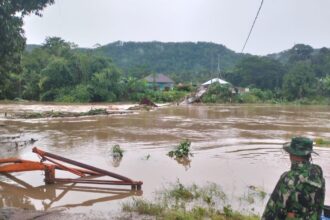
59,114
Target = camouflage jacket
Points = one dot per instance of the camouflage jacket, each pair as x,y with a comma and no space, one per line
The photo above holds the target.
300,190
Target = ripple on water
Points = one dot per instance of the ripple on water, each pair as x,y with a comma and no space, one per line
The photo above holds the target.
234,146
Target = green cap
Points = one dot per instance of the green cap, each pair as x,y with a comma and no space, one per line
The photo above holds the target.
299,146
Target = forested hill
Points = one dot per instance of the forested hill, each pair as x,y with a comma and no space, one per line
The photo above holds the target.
198,62
190,60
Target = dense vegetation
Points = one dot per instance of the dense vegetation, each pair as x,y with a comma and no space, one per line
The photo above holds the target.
58,71
12,40
303,75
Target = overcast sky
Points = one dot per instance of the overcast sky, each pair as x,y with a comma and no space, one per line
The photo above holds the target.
280,25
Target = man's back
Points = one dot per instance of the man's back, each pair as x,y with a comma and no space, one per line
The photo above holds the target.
299,192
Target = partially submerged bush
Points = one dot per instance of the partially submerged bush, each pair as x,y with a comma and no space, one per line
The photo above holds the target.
117,151
97,111
182,150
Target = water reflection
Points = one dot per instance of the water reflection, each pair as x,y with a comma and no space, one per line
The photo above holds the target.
20,194
184,161
116,161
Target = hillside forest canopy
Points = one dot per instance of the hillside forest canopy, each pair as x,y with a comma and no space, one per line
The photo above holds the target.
59,71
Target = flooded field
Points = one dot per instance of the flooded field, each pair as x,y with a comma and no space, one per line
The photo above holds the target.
238,147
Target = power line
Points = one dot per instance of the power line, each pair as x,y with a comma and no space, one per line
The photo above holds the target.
255,19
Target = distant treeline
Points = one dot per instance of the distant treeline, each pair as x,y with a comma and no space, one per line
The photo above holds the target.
58,71
299,74
183,62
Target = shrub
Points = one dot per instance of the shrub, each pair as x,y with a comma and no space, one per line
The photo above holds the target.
182,150
80,93
117,151
165,96
218,93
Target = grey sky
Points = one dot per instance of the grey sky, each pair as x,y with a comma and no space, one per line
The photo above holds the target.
280,25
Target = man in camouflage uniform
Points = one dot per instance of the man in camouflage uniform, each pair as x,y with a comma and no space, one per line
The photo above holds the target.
300,192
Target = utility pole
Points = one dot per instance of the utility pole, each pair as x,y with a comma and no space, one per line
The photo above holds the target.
219,72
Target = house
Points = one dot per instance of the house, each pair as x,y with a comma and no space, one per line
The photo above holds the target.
240,90
159,81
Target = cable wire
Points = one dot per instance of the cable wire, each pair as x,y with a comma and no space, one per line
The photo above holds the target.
255,19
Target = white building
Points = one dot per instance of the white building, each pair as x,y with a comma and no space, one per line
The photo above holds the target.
214,80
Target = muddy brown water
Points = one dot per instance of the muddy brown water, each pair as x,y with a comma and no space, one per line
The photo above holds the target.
235,146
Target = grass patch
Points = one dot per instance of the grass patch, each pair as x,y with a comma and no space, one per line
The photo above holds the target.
143,207
187,202
179,191
160,211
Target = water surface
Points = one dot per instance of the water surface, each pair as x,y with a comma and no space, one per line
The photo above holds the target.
235,146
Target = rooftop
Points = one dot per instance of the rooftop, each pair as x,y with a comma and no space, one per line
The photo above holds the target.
211,81
158,78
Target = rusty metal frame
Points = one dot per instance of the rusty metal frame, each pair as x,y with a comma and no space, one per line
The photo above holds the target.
49,197
84,171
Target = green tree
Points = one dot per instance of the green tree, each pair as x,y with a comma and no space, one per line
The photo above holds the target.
300,52
259,72
218,93
325,88
105,85
56,46
300,82
33,63
321,63
12,40
55,75
133,88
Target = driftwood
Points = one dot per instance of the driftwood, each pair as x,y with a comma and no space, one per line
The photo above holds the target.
147,102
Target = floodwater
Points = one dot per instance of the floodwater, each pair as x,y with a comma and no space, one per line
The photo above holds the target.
235,146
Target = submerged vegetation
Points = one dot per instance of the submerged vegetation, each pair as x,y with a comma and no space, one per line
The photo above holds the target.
182,150
252,194
187,202
117,154
117,151
322,142
56,114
